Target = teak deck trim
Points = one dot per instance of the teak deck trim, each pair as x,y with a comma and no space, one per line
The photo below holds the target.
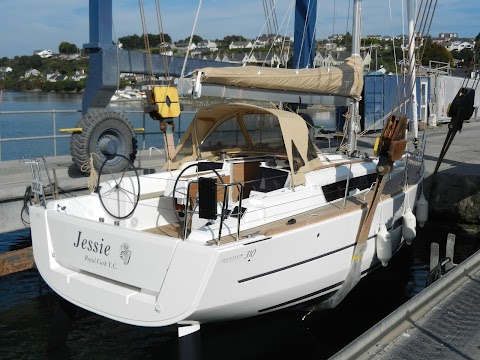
174,230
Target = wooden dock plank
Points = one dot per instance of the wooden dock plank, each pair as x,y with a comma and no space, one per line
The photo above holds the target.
15,261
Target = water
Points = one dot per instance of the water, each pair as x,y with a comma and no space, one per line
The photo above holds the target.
27,306
41,124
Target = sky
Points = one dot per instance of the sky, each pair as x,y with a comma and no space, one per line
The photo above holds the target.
29,25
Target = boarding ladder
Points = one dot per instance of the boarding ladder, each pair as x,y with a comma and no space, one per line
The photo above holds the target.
38,187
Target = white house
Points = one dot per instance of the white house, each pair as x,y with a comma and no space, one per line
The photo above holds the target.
233,58
448,36
207,45
459,46
267,39
32,72
240,45
53,74
76,56
330,46
264,58
58,78
79,75
184,47
5,69
329,60
336,37
43,53
318,60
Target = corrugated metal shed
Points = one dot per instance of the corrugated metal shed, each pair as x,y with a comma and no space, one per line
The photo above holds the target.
379,97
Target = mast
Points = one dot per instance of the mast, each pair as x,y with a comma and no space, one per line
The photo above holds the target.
356,35
304,34
412,61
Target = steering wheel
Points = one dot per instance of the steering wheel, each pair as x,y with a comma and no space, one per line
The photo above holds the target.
120,195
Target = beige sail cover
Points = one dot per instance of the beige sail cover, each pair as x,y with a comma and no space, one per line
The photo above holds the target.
293,128
343,80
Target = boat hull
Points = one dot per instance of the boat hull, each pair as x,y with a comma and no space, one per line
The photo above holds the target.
169,280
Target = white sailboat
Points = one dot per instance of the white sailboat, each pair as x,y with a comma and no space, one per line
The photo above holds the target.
248,219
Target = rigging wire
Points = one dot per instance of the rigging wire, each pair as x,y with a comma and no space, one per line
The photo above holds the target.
422,14
348,17
334,16
265,12
268,14
272,46
274,17
275,22
303,35
425,30
313,44
161,34
116,41
191,39
393,38
288,15
146,41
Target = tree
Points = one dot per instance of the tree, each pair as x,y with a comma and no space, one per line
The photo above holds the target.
477,49
228,39
464,54
21,64
4,61
136,42
435,52
195,39
67,48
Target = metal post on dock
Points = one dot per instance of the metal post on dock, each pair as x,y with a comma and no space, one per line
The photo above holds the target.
143,134
0,140
438,267
450,251
54,117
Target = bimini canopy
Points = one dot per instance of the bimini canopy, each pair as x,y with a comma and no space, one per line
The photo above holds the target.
343,80
248,130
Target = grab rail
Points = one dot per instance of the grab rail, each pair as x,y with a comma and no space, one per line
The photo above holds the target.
54,137
223,215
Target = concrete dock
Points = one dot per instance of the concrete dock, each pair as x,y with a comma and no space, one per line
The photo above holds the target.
441,322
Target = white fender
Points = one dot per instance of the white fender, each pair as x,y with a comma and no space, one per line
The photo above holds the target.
422,211
409,226
384,245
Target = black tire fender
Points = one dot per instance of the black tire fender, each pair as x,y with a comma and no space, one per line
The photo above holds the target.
97,125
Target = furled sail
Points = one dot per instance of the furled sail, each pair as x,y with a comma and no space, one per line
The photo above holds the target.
343,80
